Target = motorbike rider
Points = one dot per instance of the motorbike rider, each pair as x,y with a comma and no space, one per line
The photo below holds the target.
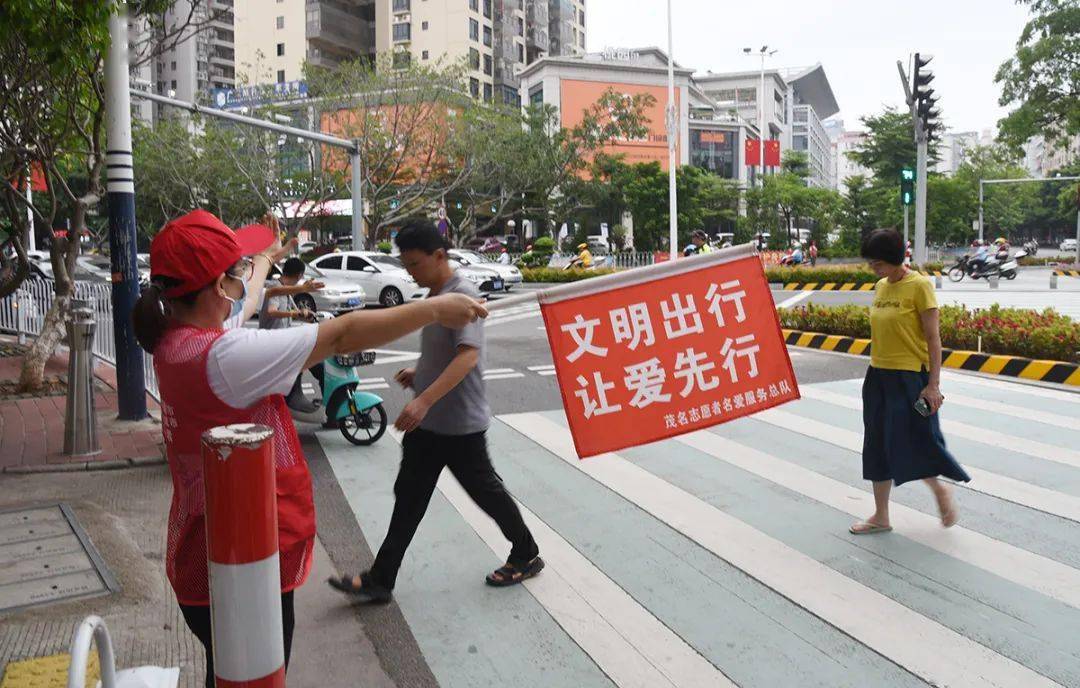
978,261
699,243
584,258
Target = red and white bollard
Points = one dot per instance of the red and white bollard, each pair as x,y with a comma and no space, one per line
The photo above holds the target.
242,548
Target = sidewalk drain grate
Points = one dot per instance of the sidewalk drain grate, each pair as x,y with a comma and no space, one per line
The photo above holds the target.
46,556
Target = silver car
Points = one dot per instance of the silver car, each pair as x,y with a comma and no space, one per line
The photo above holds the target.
510,274
338,296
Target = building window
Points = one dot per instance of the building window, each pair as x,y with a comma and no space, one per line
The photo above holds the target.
487,65
487,36
487,8
280,49
520,26
402,32
521,53
402,59
281,76
581,39
714,151
474,59
474,30
581,17
401,5
172,65
487,93
424,55
281,22
474,87
423,26
511,96
536,95
173,86
474,5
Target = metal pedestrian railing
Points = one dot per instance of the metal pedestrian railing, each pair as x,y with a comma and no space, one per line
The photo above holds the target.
23,314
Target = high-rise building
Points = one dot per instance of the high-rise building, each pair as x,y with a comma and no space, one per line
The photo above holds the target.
844,167
952,150
1041,158
199,58
275,38
795,105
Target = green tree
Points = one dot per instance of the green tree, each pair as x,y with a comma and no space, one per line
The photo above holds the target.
1043,77
889,146
797,163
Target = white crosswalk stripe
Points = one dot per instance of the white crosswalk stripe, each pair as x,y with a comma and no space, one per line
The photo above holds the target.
1012,563
627,642
933,652
1003,487
992,601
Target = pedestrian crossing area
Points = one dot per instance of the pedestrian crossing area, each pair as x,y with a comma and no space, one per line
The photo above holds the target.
513,314
722,558
1064,302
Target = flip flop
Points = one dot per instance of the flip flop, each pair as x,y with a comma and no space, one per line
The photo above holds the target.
868,528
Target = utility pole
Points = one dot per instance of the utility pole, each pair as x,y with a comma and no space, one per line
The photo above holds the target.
764,53
672,133
130,381
924,115
907,196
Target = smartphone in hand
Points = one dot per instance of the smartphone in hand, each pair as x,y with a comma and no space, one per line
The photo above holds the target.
923,407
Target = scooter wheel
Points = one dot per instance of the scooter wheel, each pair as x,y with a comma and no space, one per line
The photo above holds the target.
365,427
1010,275
956,274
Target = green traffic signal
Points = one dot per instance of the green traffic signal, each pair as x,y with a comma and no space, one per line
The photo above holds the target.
907,186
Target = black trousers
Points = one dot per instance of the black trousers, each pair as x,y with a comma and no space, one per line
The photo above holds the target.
424,454
198,620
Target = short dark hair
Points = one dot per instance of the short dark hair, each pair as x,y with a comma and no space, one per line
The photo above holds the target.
293,267
420,235
885,245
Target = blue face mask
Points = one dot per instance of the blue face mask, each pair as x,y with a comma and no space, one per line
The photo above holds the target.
237,304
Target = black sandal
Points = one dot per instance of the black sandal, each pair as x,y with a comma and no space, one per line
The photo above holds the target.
365,592
509,574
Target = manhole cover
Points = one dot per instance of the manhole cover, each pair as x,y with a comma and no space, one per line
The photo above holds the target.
45,557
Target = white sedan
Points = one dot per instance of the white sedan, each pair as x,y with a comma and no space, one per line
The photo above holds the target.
383,278
510,274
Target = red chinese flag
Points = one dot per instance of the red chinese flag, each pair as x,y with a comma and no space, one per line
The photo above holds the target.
753,152
38,181
772,153
679,349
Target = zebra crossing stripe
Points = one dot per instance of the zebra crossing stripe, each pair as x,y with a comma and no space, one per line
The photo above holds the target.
503,376
1012,563
1031,390
625,640
926,648
1022,445
1002,487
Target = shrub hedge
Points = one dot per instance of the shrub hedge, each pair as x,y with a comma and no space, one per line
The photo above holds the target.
1009,331
560,275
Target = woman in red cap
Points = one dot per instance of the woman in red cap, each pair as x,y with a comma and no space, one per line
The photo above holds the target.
205,282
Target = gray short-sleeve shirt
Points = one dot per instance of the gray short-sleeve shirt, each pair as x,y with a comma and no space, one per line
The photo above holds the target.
464,409
278,303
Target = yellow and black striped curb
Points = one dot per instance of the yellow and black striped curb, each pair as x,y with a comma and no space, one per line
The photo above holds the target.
992,364
828,286
1067,273
932,273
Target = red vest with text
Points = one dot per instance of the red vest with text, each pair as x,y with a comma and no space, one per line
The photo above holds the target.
189,407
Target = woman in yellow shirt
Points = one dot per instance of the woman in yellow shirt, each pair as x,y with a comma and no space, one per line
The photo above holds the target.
900,444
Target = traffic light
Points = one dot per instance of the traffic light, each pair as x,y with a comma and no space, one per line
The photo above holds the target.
907,186
925,100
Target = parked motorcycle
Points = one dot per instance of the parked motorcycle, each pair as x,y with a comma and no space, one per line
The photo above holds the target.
359,415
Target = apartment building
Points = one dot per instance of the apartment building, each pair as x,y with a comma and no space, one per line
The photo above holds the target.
200,58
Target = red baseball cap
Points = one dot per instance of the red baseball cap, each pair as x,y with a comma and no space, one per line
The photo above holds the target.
195,248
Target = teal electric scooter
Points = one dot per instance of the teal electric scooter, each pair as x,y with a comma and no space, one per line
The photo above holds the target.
359,415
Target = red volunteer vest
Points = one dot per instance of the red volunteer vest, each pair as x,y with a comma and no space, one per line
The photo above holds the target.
189,407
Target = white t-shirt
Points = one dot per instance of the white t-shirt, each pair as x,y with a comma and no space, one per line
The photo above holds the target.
246,364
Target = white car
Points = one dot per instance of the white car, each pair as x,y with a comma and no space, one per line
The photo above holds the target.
101,266
510,274
383,278
337,296
1068,245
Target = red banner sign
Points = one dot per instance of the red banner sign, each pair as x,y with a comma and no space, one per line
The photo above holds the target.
772,153
668,355
752,152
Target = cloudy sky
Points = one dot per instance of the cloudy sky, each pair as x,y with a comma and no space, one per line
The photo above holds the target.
857,41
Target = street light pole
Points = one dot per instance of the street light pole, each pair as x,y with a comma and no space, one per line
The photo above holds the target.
672,133
980,210
131,384
357,200
761,119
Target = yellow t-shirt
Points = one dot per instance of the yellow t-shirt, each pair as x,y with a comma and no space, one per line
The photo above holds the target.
897,341
586,258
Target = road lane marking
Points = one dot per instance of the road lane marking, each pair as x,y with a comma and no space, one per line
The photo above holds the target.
1002,487
788,303
503,376
1012,563
926,648
994,438
630,645
1015,387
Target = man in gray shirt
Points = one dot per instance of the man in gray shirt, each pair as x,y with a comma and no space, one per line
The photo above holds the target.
445,425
